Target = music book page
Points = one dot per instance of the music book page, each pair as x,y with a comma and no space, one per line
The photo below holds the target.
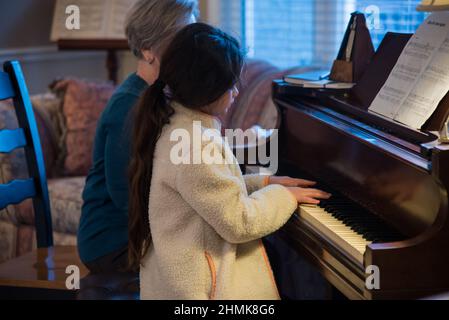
99,19
433,5
420,78
117,16
428,91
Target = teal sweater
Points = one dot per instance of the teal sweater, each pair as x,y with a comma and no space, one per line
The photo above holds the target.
104,219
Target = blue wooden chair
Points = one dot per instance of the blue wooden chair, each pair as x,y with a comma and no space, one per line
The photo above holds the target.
44,268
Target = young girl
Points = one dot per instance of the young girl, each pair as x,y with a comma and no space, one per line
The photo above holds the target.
198,233
103,228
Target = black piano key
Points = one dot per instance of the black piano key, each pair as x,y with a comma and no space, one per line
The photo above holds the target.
359,219
368,225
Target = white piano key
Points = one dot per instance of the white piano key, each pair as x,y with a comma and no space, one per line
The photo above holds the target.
336,231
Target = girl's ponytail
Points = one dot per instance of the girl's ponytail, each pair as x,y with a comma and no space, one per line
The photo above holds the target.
151,114
199,66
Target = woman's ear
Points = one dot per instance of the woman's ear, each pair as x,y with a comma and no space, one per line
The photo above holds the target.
148,56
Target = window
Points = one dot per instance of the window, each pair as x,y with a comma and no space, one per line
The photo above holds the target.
388,15
309,32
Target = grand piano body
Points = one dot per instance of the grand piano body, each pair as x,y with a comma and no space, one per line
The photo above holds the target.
389,183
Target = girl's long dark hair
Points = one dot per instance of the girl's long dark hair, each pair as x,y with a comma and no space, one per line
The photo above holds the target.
197,68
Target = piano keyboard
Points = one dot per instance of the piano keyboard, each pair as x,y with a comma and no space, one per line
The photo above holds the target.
346,225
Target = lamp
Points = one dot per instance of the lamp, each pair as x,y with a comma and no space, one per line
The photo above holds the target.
433,5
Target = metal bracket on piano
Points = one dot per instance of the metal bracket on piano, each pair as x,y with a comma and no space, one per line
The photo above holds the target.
442,143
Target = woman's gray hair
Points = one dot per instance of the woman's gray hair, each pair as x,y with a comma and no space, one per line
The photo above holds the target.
150,24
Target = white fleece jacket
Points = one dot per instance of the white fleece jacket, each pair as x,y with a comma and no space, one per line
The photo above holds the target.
207,221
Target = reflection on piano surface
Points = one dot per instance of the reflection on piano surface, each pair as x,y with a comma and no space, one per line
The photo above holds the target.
390,194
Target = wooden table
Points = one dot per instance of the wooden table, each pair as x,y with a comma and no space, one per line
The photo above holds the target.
41,269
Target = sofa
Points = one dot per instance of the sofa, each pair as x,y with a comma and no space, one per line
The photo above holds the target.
66,116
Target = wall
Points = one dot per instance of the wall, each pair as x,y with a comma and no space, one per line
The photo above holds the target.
25,23
25,36
25,31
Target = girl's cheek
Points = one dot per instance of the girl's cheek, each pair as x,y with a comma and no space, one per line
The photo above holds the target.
231,99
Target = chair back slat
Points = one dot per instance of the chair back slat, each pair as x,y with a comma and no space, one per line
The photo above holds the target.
11,140
6,88
16,191
33,155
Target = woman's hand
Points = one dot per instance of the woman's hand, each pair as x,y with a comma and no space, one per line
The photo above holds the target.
291,182
307,195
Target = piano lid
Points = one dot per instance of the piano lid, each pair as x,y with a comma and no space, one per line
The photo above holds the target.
337,105
384,178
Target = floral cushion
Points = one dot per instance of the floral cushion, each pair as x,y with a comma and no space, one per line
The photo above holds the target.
47,108
82,105
16,240
13,165
65,203
8,237
17,232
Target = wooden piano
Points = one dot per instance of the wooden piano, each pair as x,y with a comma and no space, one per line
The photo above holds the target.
389,183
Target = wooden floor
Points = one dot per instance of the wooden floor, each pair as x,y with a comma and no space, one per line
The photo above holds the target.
43,268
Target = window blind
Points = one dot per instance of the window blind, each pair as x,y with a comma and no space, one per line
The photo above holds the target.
309,32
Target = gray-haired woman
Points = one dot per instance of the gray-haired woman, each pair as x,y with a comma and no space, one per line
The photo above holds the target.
103,229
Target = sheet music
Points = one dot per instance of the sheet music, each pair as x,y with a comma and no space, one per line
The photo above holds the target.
92,20
410,94
428,91
98,19
433,5
116,23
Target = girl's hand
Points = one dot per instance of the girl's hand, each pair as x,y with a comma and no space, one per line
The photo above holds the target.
291,182
307,195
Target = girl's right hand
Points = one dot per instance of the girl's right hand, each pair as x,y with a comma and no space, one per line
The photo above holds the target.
308,195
